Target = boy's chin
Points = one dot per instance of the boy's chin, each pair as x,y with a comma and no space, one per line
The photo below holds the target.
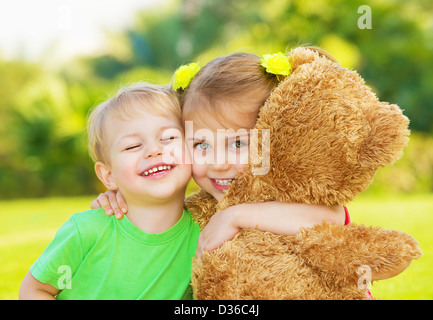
166,192
156,195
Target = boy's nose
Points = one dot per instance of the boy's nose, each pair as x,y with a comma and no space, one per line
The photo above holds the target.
151,155
153,151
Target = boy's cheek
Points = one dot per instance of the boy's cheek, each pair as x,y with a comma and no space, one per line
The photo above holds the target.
175,154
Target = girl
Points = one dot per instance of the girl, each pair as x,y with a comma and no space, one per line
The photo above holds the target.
225,96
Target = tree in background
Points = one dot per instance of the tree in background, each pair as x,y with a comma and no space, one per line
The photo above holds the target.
393,55
42,114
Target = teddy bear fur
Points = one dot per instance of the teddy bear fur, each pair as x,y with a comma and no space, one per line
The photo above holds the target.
329,134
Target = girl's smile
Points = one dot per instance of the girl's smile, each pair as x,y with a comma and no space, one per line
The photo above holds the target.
218,154
221,184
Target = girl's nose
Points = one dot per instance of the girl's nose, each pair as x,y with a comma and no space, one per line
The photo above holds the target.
220,166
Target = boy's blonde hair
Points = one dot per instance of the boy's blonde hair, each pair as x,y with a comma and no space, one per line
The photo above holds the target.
137,99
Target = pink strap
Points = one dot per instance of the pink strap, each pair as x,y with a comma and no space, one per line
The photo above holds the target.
368,296
347,220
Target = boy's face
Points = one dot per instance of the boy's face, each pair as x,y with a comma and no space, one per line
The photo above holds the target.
218,152
147,156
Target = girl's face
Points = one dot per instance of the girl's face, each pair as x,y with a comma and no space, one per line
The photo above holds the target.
218,152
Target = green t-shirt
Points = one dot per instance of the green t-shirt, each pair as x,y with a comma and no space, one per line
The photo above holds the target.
95,256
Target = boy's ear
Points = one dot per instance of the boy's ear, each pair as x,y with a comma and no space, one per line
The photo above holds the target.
104,174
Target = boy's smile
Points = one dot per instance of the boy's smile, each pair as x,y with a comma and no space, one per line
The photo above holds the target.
157,171
147,158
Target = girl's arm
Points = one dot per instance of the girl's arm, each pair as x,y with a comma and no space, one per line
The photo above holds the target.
112,202
33,289
275,217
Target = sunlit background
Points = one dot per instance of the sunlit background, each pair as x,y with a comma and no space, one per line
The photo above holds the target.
60,58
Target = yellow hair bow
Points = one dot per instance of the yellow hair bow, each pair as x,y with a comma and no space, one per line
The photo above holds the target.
277,63
184,75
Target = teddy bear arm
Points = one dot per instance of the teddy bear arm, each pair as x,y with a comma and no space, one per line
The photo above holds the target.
346,252
391,273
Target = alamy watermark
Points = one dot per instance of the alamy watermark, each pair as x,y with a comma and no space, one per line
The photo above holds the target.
64,19
365,21
258,154
364,281
65,280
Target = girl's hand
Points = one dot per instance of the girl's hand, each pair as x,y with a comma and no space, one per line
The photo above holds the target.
221,227
112,202
275,217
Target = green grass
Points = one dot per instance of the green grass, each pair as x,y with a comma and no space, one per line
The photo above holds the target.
411,214
27,226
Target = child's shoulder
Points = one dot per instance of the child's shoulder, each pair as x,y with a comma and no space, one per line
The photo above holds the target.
91,225
91,218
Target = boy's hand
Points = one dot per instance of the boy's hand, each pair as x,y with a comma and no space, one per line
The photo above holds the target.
221,228
112,202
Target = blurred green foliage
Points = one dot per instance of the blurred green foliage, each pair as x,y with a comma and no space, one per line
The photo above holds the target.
43,148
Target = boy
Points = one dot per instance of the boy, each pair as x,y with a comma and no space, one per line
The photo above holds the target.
136,140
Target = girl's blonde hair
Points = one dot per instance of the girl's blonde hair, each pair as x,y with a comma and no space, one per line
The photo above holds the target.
128,103
237,80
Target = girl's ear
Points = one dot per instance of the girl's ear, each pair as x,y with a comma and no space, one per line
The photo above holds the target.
104,174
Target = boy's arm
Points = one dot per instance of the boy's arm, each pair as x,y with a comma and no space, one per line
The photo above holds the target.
33,289
275,217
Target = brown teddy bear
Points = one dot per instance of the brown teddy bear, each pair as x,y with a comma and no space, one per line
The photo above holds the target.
328,136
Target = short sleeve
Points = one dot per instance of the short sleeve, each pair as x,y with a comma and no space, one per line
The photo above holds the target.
61,258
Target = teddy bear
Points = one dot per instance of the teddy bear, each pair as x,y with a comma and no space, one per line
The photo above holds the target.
329,134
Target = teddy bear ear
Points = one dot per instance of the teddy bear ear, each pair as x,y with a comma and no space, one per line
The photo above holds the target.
303,55
387,135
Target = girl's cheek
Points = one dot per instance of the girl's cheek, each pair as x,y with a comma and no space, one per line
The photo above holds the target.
240,159
199,176
198,171
241,167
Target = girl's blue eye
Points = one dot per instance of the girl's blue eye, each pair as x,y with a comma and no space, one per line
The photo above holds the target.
202,146
238,144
